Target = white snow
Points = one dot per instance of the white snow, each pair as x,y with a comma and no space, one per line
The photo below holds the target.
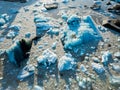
47,58
66,62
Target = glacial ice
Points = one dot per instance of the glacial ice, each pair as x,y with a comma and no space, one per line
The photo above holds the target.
66,62
47,58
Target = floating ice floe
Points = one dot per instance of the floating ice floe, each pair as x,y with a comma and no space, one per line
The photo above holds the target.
117,54
80,33
107,58
99,69
47,58
66,62
26,72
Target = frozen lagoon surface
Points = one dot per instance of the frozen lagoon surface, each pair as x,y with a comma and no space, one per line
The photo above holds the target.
32,17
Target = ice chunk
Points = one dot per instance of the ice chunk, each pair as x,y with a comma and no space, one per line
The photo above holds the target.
40,27
66,62
53,32
114,80
38,19
81,33
64,17
117,54
54,45
65,1
5,17
26,72
14,27
47,58
27,35
116,67
73,22
107,58
83,68
2,21
2,51
99,69
11,35
36,87
95,59
85,83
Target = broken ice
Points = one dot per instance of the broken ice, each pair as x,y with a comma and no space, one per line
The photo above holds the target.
66,62
47,58
26,72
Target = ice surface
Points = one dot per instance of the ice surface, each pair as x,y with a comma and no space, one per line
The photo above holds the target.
99,69
47,58
107,58
66,62
13,11
14,52
26,72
